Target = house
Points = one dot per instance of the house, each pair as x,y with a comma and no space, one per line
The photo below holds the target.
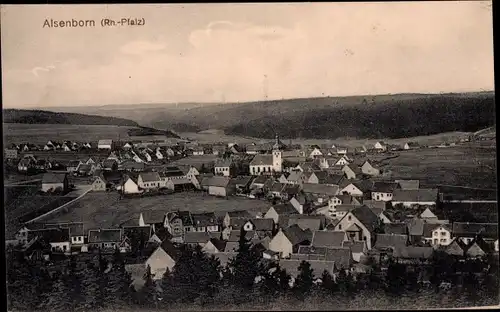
130,185
342,161
258,182
196,238
85,169
341,150
454,248
58,238
340,256
276,211
130,165
437,234
276,190
392,241
43,165
198,151
104,144
239,214
352,171
241,184
159,154
263,227
307,167
178,223
410,254
318,266
163,258
11,153
341,210
99,183
383,191
467,231
305,222
109,164
191,172
477,249
266,164
298,202
428,215
368,169
55,181
357,189
172,173
214,246
408,198
295,177
380,146
323,177
205,222
315,152
180,185
27,163
411,145
219,186
218,150
105,238
358,249
127,146
287,241
408,184
328,239
359,224
149,180
225,167
415,230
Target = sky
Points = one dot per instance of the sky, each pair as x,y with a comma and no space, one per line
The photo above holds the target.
243,52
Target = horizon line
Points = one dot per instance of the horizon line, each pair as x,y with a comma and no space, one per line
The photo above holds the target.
253,101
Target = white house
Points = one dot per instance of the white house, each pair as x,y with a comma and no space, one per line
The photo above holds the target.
316,152
341,150
380,146
150,180
409,198
440,235
383,191
358,224
158,153
352,190
162,258
342,161
130,186
104,144
266,164
368,169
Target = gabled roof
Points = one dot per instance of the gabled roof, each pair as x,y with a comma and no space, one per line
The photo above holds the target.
427,214
235,235
218,243
260,179
486,230
366,216
277,187
228,162
52,235
420,195
328,238
477,248
239,214
416,227
308,166
105,235
312,223
185,217
342,256
295,176
75,228
320,189
390,241
170,249
296,235
153,216
284,209
355,246
345,208
109,163
364,185
455,248
51,177
318,267
262,160
291,189
384,187
241,181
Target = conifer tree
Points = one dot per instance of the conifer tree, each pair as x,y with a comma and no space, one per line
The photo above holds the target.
91,288
149,293
60,298
304,280
246,264
327,283
117,285
167,288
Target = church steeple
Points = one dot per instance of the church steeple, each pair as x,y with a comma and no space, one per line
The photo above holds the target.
276,143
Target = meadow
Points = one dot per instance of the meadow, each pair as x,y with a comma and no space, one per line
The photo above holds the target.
104,209
463,165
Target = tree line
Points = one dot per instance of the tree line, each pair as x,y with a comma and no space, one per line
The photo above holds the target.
198,278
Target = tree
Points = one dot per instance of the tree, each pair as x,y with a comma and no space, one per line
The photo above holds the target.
148,295
60,298
304,280
327,283
395,279
167,288
246,264
91,288
117,287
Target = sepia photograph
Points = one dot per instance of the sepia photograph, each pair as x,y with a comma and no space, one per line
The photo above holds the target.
249,156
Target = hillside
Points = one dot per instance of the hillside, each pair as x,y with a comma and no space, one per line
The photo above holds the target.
21,116
390,116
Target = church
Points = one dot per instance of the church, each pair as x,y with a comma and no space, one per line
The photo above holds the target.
268,163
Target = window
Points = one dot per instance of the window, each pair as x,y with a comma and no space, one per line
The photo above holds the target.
442,240
64,247
340,226
364,238
435,234
435,241
349,218
443,233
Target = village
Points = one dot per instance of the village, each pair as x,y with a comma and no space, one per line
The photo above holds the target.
328,205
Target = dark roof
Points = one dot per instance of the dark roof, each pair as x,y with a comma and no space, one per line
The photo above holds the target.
51,177
366,216
74,163
296,235
328,238
277,187
320,189
395,228
239,214
477,248
408,184
153,216
413,252
390,240
420,195
185,217
171,250
238,222
318,267
204,219
485,230
235,235
342,256
52,235
172,173
218,181
75,228
241,181
109,163
262,160
455,248
416,227
105,235
355,246
364,185
291,189
260,179
196,237
285,209
145,231
384,187
263,224
313,223
150,176
218,243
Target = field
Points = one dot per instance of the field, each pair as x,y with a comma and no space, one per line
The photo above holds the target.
41,133
23,203
461,165
216,136
104,210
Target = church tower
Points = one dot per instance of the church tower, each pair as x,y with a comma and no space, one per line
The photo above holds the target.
277,156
